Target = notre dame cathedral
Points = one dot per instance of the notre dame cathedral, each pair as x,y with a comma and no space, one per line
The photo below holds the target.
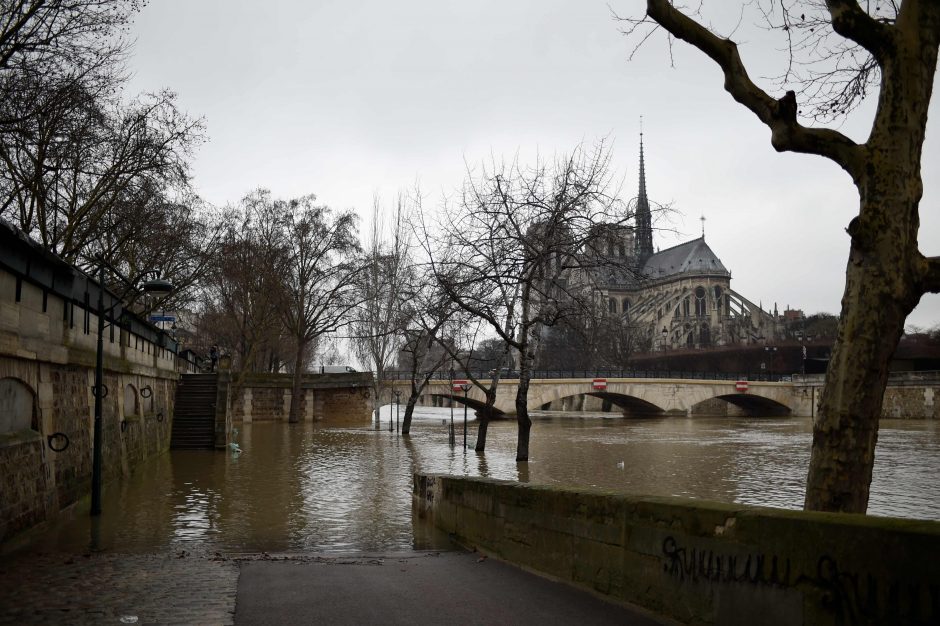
681,296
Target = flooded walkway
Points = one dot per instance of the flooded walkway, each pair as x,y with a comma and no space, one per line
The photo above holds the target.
314,523
344,489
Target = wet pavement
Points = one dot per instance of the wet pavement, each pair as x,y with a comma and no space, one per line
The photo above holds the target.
400,588
106,588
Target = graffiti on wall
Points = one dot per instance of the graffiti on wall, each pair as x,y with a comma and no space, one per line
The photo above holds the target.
698,564
852,597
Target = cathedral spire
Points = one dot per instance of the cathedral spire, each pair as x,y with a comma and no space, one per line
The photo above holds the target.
644,218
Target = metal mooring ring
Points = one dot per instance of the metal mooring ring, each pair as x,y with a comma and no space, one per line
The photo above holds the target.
55,436
146,392
104,390
160,416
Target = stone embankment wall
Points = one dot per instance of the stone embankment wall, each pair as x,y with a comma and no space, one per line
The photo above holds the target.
266,397
48,337
909,395
911,402
700,562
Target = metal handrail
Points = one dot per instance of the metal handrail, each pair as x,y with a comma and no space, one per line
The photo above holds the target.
894,378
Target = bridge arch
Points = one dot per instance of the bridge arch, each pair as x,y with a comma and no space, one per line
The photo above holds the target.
753,405
631,406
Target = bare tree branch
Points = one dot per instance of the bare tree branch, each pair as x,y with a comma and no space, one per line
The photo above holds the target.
931,282
850,21
779,115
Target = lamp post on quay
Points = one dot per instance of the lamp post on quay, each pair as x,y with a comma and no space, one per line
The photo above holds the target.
156,287
771,352
466,387
397,400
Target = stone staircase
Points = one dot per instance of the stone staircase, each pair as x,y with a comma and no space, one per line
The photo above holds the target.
194,414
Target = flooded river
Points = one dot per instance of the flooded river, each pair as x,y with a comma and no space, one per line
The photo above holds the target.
316,488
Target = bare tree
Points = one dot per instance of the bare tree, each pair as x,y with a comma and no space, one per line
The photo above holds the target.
239,312
891,47
69,179
79,164
45,35
53,53
497,354
318,291
428,313
517,249
387,270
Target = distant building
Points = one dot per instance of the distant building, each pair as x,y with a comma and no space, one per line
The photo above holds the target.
682,295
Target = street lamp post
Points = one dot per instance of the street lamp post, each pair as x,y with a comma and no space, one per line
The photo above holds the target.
397,413
770,350
803,344
466,388
156,287
451,437
99,374
665,336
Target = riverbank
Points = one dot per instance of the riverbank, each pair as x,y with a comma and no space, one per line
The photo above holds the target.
699,562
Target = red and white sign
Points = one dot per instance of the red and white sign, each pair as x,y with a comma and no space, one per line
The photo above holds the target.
459,385
741,385
599,384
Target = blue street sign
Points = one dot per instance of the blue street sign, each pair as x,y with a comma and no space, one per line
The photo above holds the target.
162,318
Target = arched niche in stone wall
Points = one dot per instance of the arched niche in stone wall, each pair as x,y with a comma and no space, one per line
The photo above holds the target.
17,406
130,401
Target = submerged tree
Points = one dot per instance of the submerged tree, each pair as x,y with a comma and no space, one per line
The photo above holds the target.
318,290
848,49
430,325
382,284
517,249
239,311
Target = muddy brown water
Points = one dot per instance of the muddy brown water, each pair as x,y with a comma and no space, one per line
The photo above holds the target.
347,488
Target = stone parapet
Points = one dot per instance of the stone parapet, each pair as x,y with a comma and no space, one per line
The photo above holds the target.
699,562
266,397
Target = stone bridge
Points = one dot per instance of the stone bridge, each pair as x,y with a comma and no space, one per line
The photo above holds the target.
635,397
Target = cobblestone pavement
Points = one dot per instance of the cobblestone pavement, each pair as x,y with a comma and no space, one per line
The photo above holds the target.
116,588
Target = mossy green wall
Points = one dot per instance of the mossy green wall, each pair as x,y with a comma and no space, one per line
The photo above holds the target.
700,562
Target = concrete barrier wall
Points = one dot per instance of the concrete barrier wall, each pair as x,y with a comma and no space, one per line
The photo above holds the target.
700,562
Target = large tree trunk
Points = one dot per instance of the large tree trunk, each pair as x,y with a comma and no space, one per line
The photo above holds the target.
293,415
485,414
416,389
879,294
884,276
522,408
409,411
482,428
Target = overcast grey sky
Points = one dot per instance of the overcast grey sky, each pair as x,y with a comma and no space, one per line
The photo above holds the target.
349,99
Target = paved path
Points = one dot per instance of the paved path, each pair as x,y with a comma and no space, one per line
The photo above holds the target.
104,588
453,588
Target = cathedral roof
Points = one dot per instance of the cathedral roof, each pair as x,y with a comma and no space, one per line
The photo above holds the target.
692,256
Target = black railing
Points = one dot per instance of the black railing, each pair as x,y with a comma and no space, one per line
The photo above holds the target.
603,373
894,378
